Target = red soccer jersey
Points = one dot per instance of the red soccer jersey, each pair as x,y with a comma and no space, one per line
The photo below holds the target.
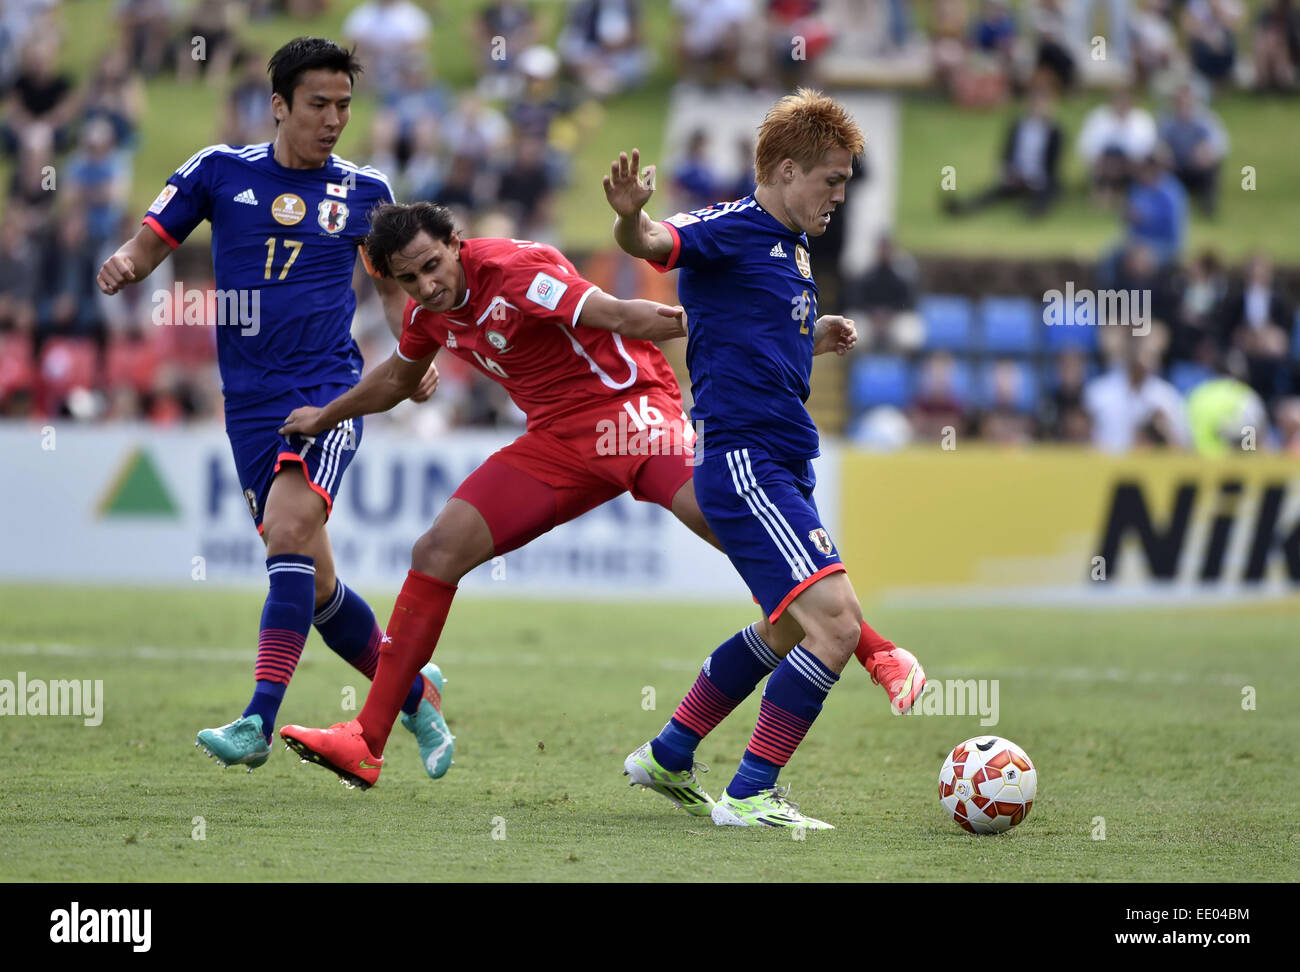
518,324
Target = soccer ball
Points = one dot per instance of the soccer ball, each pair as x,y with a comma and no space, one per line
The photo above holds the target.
987,784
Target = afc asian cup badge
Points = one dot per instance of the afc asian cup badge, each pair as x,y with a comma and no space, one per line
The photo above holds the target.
802,262
288,209
822,541
332,215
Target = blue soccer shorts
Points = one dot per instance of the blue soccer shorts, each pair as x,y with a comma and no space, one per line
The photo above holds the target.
261,451
763,512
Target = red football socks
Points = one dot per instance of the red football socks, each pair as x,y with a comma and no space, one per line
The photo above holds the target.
413,632
869,643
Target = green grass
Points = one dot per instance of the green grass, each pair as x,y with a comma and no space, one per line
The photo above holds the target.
1131,716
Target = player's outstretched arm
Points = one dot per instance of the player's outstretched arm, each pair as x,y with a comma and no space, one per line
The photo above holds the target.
627,194
134,260
393,381
642,320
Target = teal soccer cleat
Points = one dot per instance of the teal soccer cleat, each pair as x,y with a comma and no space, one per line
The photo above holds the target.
429,727
241,743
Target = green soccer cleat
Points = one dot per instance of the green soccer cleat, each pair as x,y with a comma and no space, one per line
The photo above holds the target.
239,743
429,727
681,789
768,808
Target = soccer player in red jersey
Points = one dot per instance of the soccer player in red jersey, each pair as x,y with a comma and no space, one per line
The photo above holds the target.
573,359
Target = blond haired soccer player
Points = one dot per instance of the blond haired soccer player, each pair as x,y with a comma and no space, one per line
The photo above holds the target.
746,285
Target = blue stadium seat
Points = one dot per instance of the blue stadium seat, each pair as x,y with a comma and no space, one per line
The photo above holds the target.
1072,337
1010,325
949,323
1295,336
879,380
1030,386
1186,375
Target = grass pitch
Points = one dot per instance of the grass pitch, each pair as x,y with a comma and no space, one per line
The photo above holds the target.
1134,717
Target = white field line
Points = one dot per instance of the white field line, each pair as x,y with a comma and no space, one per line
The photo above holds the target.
53,649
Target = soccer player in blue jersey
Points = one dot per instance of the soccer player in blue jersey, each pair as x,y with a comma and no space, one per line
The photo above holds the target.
287,217
746,284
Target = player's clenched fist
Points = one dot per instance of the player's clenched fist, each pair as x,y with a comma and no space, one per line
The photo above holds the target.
626,191
117,271
834,333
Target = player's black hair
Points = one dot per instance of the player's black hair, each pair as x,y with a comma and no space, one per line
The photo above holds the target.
303,54
393,225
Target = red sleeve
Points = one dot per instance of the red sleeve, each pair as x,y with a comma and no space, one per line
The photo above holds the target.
671,262
543,284
417,341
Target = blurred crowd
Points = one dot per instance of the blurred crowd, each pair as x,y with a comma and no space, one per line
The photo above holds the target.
498,151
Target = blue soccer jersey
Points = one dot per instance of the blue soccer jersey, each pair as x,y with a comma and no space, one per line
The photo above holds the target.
284,243
746,283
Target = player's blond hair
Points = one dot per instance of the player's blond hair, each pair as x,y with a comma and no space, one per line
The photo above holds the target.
804,126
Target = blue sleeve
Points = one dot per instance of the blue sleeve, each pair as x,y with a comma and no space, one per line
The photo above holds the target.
185,201
699,240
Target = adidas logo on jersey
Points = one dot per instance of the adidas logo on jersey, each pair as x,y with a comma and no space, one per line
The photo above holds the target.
777,252
247,197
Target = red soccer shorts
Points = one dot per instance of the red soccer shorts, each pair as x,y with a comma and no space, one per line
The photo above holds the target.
554,474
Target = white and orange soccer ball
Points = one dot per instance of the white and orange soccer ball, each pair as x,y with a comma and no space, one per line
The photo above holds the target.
987,784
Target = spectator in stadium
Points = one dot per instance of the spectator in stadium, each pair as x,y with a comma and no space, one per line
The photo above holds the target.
34,178
993,33
70,303
388,34
541,108
246,118
502,31
216,23
1131,405
797,35
938,406
1154,38
1210,27
463,190
412,110
525,188
476,130
1277,46
19,273
1119,18
19,22
99,181
1287,419
1113,141
603,46
709,38
1196,335
115,93
42,103
695,183
1257,319
1193,144
146,27
1051,39
1031,155
744,183
886,290
1003,422
1140,271
1156,212
1062,416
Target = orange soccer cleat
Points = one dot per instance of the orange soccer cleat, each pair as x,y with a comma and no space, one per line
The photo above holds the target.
340,748
899,673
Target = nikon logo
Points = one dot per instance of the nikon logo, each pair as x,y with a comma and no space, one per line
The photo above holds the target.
1258,537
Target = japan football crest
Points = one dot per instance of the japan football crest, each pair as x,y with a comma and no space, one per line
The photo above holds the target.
332,215
822,541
